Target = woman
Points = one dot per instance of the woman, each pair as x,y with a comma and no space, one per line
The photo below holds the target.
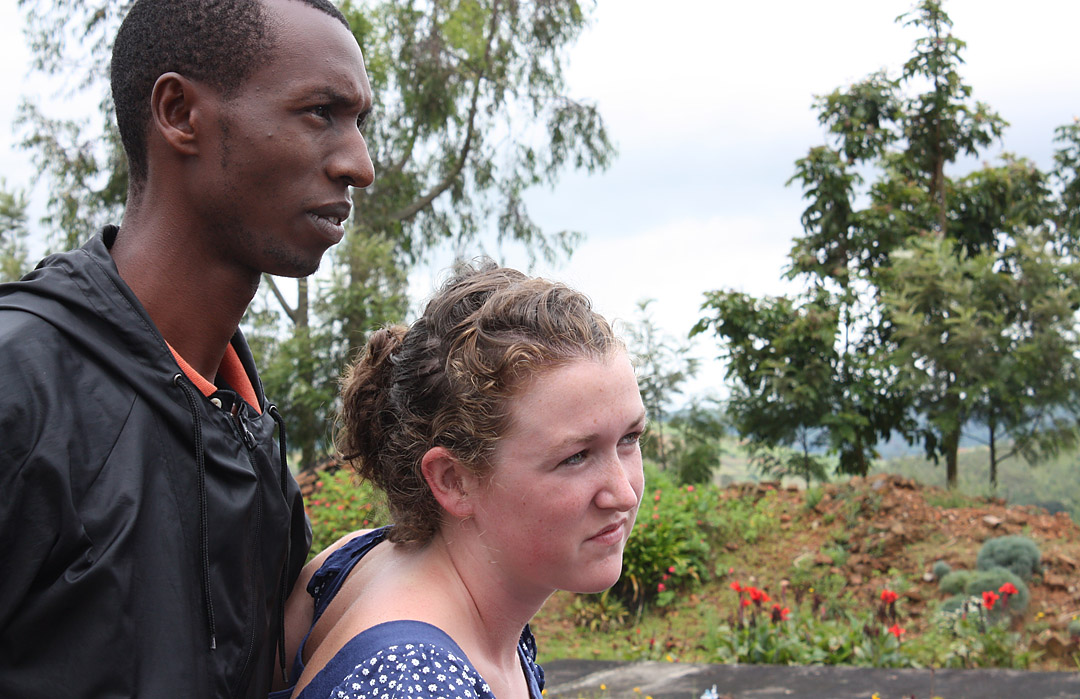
503,426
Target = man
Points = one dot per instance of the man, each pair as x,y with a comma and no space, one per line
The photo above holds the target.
149,527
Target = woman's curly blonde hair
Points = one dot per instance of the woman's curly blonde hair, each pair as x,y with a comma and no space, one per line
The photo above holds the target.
447,380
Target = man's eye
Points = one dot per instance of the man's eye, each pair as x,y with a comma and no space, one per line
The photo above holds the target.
322,111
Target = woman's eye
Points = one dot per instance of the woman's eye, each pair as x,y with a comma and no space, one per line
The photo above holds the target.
575,459
631,438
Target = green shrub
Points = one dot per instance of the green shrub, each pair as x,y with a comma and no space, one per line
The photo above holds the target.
669,548
941,569
963,638
598,613
1016,553
341,504
992,580
1074,628
955,583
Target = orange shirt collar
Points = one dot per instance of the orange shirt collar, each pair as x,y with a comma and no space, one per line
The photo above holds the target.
231,371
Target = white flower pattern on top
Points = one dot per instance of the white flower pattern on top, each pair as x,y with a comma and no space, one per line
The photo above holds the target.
395,675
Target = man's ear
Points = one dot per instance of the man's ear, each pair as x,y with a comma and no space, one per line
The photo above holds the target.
450,482
175,111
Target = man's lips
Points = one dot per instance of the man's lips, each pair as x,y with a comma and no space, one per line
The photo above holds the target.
335,212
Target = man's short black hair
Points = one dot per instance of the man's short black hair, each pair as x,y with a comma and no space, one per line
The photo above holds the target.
216,42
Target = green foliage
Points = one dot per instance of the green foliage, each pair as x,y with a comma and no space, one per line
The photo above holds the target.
955,582
598,613
697,446
930,302
991,580
1018,554
670,547
679,532
662,368
940,570
962,638
1074,628
13,234
341,505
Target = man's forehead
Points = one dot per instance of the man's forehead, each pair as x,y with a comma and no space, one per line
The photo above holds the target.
318,51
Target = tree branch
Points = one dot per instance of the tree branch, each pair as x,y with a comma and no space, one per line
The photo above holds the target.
290,312
424,201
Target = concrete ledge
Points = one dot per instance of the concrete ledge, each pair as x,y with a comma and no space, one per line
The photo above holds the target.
571,679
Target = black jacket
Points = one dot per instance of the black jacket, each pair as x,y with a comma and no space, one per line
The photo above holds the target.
146,535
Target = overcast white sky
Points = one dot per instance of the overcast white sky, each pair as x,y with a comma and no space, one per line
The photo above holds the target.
709,102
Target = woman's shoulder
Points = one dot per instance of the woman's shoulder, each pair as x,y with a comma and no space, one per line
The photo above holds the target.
395,658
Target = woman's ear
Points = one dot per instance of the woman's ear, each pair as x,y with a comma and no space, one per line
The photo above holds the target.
450,481
173,112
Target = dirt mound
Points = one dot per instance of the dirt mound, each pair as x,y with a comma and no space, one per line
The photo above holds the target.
866,527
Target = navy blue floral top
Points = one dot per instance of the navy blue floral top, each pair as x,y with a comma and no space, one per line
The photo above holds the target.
397,659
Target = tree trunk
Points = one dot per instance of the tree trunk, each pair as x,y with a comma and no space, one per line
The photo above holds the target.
993,461
951,444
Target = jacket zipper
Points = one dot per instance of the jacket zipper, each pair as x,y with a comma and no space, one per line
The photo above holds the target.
248,439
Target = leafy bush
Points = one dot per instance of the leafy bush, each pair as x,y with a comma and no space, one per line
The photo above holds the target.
956,582
1016,553
966,584
598,613
992,581
940,570
668,549
1074,628
962,638
341,504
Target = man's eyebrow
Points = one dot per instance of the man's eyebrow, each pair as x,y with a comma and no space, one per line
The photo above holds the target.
333,96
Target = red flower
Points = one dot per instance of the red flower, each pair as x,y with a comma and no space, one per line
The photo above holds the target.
746,603
888,596
758,596
1008,589
780,613
897,631
671,569
736,586
989,598
661,587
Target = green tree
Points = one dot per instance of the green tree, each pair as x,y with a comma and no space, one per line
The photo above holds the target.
940,300
13,234
701,428
471,110
662,368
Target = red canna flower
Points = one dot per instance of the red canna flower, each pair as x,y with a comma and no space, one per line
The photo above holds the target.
736,586
888,596
780,613
671,569
746,603
989,598
1008,589
661,587
897,631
